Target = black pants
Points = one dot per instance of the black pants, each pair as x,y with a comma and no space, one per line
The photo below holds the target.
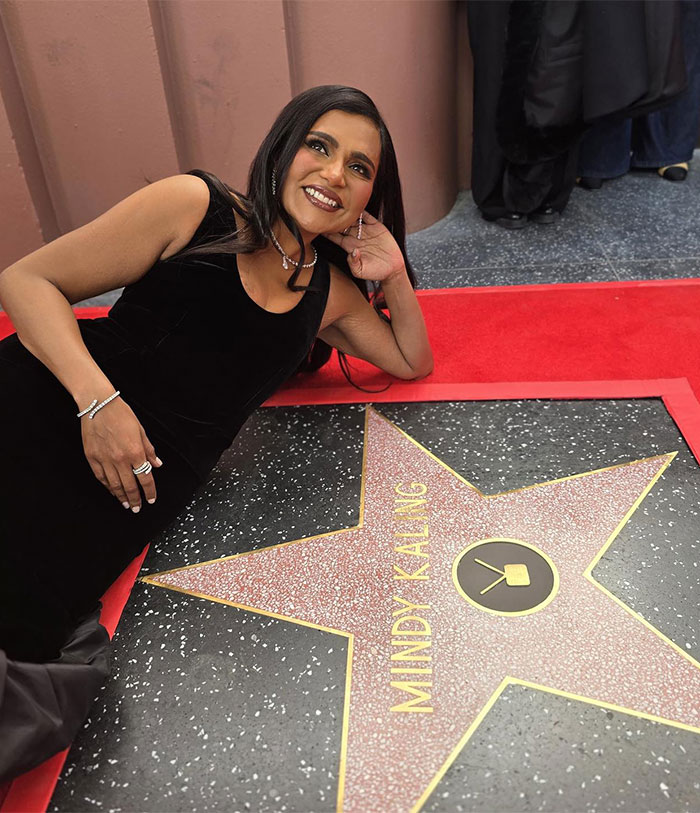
500,185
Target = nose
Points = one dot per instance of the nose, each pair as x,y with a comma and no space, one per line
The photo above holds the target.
334,173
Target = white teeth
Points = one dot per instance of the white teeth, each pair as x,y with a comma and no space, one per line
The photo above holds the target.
316,194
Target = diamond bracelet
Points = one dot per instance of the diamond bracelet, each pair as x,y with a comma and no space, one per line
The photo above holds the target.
95,407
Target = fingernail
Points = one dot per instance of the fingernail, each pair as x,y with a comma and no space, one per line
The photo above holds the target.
152,500
126,505
136,509
354,252
159,462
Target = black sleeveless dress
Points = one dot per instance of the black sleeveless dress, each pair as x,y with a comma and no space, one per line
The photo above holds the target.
193,356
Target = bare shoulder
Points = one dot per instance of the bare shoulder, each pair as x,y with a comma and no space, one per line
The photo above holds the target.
344,297
179,192
119,246
189,198
342,285
343,288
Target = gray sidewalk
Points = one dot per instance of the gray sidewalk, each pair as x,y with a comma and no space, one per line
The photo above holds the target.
639,226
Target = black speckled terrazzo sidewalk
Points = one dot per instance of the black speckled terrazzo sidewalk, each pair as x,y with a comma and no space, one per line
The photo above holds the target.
639,226
218,707
215,707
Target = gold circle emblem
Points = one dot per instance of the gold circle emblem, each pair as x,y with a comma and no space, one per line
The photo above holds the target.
505,576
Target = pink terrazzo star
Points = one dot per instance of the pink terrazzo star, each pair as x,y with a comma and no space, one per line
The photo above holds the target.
388,585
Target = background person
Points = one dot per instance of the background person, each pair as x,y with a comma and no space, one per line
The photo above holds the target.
664,140
545,71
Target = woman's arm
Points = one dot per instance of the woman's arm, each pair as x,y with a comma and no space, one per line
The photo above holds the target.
352,325
115,249
400,348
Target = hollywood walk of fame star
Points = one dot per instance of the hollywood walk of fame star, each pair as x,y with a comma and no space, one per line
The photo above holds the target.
435,633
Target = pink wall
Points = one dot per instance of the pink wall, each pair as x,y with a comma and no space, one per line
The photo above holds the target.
100,94
93,90
226,72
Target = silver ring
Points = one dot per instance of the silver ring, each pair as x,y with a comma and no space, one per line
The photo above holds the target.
144,468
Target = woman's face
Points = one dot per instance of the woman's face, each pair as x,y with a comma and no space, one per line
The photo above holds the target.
332,175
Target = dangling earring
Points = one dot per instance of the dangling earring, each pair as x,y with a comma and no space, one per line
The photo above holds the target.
274,183
359,228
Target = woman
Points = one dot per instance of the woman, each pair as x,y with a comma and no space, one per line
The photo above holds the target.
225,296
663,140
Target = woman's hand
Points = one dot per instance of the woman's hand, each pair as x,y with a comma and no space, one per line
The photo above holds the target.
115,443
353,326
376,256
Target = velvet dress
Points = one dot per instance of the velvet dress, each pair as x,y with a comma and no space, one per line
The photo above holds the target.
193,355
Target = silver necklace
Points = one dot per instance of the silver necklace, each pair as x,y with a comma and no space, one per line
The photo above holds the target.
287,260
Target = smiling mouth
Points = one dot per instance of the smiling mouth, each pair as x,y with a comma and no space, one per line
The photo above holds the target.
321,200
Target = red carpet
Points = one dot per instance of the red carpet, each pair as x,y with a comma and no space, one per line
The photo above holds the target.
579,332
587,340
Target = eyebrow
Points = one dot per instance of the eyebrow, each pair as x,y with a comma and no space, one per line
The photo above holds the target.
335,144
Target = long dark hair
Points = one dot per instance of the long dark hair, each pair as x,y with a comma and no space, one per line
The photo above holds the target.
261,207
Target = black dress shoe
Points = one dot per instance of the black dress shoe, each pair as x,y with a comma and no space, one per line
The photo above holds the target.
545,215
676,172
510,220
589,183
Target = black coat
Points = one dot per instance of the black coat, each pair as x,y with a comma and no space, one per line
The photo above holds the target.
571,62
544,70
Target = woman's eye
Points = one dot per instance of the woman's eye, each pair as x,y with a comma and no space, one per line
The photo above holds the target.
320,146
314,144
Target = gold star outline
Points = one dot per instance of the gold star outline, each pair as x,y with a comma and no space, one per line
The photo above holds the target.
507,680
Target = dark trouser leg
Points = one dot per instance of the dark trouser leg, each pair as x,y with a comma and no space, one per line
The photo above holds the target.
669,136
605,149
528,187
487,37
563,179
